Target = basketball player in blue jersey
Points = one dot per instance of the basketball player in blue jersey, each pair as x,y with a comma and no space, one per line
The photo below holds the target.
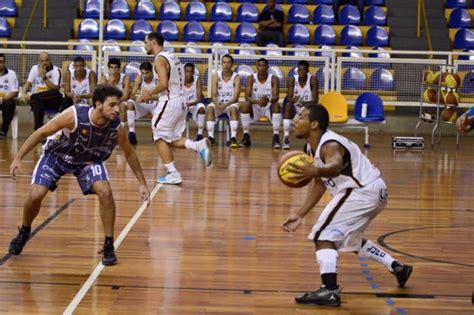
359,195
84,137
465,122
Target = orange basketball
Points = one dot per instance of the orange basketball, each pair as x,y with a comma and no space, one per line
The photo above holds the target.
430,96
449,114
435,77
428,76
451,80
451,98
296,157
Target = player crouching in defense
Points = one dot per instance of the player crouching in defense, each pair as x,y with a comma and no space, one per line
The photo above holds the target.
359,195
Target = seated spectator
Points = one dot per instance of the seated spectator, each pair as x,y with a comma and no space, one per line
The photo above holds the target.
8,94
270,26
79,82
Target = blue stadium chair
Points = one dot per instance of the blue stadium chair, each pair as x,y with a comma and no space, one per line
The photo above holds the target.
166,47
353,54
351,35
466,57
298,14
244,71
194,32
220,32
459,18
322,2
88,29
349,14
110,45
377,36
92,10
119,9
168,30
138,48
298,1
325,35
217,47
374,2
320,77
353,79
4,28
245,33
8,8
84,45
221,11
140,29
170,11
132,69
272,52
247,12
381,79
245,52
375,16
276,71
323,14
115,29
247,1
196,11
293,71
298,34
464,38
145,10
375,111
381,53
299,53
192,50
456,3
325,51
467,84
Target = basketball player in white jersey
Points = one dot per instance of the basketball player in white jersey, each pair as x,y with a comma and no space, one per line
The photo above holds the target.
359,194
225,100
169,119
261,95
121,81
79,83
302,89
193,95
136,107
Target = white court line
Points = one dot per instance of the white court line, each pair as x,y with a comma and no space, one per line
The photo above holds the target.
98,269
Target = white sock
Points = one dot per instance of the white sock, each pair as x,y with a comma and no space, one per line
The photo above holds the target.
191,145
131,120
245,118
122,123
372,251
276,122
234,124
200,123
171,167
328,260
210,128
286,127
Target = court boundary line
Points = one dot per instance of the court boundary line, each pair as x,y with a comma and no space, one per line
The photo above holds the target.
98,269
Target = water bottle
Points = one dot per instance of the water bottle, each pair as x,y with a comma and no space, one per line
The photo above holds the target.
363,113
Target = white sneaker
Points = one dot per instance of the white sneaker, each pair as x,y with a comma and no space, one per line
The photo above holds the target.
172,178
204,151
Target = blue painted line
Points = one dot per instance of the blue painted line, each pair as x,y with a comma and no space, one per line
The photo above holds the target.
362,258
389,302
364,265
401,311
366,271
369,278
374,285
249,238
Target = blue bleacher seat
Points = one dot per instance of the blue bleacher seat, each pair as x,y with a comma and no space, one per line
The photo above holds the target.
324,35
170,11
132,69
320,77
375,16
192,50
7,8
244,71
464,38
322,2
166,46
221,11
299,53
293,71
139,48
276,71
247,12
298,14
381,53
377,36
217,46
272,52
353,79
456,3
374,2
196,11
247,1
298,1
353,54
194,32
349,14
115,29
323,14
381,79
111,45
247,51
168,30
467,84
298,34
92,10
466,57
4,28
140,29
374,108
325,51
220,32
84,46
459,18
88,29
145,10
245,33
119,9
351,35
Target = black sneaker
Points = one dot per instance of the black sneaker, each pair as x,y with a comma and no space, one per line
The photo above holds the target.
3,135
276,142
323,297
132,137
109,258
17,244
245,142
401,272
199,137
233,143
212,141
286,143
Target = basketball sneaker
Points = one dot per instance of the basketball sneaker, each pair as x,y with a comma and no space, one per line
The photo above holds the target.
245,142
172,178
233,143
17,244
132,137
402,272
109,257
286,143
212,141
204,151
323,297
3,134
276,142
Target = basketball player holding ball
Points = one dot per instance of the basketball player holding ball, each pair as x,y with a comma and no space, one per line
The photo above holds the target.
359,194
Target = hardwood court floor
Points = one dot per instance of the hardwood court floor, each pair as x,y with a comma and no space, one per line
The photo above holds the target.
214,245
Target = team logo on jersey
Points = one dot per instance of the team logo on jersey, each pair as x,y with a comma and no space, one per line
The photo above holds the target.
73,86
5,81
84,132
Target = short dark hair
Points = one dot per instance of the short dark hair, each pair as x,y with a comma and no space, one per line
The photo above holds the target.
157,37
146,65
264,60
102,91
319,113
2,56
189,64
228,56
79,59
113,61
303,63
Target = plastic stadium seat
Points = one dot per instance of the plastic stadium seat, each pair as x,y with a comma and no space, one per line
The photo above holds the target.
110,45
374,108
140,29
194,32
320,76
115,29
325,51
168,30
245,33
375,16
4,28
92,10
298,13
139,48
459,18
377,36
456,3
374,2
466,57
336,104
352,54
84,45
145,10
7,8
196,11
298,1
351,35
353,79
192,50
272,52
119,9
170,11
220,32
299,53
217,46
381,79
88,29
467,84
247,1
166,47
247,12
244,71
276,71
382,54
132,69
323,14
293,71
349,14
221,11
322,2
464,38
247,51
325,35
298,34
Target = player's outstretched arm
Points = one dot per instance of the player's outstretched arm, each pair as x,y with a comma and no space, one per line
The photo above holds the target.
333,155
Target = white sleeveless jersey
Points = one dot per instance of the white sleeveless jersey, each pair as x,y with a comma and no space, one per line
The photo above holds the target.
149,86
260,90
225,90
190,93
358,171
175,77
303,92
119,85
80,87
